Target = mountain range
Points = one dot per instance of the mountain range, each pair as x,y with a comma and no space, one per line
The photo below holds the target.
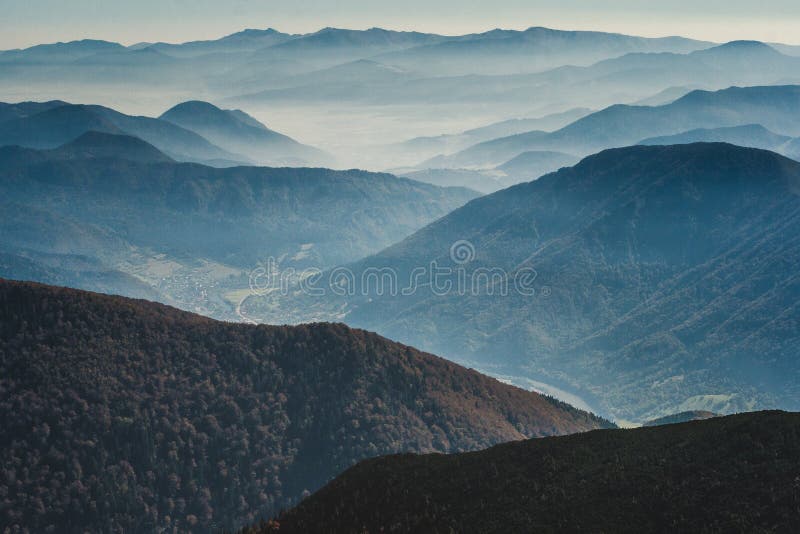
384,87
625,77
60,52
450,143
776,108
637,317
191,131
189,234
151,418
59,123
730,474
531,50
682,417
548,47
249,40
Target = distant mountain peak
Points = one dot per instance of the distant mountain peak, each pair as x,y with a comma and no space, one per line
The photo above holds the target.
87,43
255,31
541,29
745,44
200,112
251,34
81,44
195,106
740,47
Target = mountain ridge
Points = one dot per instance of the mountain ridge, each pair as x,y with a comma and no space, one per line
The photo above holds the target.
57,125
239,132
732,473
619,125
215,228
93,144
620,299
198,425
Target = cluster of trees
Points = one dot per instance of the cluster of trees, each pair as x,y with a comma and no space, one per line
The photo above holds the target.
128,416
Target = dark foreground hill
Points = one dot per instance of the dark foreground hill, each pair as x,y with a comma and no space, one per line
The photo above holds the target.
128,416
731,474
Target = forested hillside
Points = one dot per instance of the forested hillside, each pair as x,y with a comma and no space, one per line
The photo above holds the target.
731,474
129,416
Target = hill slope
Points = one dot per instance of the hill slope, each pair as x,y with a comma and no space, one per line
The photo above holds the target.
59,52
651,280
152,418
240,133
194,233
731,474
103,145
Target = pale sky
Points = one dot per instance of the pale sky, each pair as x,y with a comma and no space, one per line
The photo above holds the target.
28,22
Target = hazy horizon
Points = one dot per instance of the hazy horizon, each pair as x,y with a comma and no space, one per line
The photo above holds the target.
49,21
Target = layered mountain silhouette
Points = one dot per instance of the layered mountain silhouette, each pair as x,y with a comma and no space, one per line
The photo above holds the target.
483,181
523,168
655,279
193,233
435,145
728,474
613,79
545,47
46,126
341,42
418,83
240,133
531,50
249,40
774,107
734,63
59,52
154,418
